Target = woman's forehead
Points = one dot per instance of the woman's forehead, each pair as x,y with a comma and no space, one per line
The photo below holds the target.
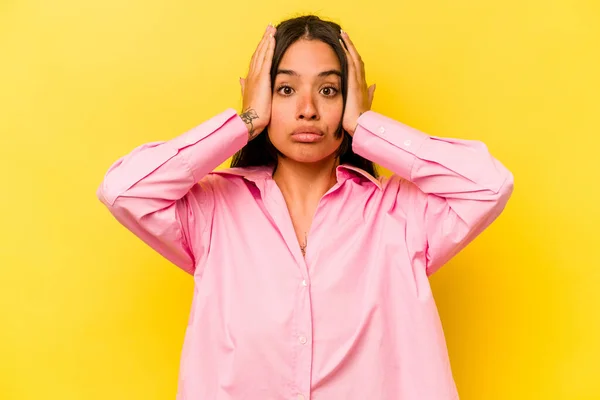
309,58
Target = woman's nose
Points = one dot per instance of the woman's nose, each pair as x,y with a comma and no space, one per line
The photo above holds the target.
307,109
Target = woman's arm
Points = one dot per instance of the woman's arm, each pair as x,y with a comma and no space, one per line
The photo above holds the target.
149,190
153,191
457,188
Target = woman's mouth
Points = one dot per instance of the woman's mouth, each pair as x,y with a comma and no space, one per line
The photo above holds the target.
307,135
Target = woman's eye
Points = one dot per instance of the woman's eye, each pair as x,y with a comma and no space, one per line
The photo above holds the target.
285,90
329,91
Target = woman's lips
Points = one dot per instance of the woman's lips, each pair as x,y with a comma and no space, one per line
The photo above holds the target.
307,134
307,137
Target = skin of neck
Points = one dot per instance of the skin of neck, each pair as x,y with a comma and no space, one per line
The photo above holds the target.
303,184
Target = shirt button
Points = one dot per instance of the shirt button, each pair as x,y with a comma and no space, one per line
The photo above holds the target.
407,143
303,282
302,339
381,130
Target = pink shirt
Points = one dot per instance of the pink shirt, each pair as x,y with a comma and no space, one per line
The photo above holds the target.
353,320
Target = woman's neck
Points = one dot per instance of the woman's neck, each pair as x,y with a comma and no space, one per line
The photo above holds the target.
303,184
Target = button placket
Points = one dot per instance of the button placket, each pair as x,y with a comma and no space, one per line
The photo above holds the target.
302,332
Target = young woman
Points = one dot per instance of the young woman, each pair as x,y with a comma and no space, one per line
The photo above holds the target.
311,273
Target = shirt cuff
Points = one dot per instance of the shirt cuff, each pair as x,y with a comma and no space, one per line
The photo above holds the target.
387,142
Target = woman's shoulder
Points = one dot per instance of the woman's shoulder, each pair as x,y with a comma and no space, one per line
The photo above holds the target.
395,185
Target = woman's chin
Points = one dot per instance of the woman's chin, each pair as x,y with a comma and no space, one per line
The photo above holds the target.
309,156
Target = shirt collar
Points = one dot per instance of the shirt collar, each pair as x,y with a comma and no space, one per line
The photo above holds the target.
262,173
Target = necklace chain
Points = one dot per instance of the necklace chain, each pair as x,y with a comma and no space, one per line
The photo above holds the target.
303,246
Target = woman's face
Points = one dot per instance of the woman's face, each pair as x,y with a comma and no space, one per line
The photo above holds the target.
307,102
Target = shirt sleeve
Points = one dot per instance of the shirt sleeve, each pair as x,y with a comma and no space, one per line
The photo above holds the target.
458,188
154,192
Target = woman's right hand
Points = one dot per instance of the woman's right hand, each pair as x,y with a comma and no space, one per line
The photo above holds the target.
256,88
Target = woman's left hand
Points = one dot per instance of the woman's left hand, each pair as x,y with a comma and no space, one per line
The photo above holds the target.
360,97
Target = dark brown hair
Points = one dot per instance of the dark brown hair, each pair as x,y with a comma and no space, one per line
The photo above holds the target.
260,151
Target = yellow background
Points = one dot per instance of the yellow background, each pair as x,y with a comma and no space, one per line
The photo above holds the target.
89,312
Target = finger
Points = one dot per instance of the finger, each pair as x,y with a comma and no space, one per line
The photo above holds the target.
351,47
258,54
265,66
265,47
358,63
351,66
371,94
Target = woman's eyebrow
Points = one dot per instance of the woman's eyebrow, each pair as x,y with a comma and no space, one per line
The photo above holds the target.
321,74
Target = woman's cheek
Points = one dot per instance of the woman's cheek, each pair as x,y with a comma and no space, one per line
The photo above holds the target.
280,108
333,113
